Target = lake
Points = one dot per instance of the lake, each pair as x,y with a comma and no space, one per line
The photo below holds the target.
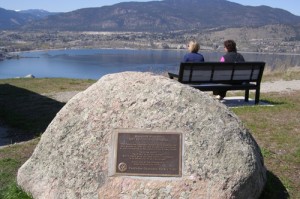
94,63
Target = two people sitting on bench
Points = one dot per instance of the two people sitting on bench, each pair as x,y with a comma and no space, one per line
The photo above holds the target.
231,56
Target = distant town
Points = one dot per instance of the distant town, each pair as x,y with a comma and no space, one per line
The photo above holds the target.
248,40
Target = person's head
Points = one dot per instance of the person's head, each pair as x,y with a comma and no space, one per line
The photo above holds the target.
230,46
193,46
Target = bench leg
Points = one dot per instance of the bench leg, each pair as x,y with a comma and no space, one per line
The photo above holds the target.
247,95
257,93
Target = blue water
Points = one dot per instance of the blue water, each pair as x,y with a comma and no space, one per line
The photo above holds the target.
94,63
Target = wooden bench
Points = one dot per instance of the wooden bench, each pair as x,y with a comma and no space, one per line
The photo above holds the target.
211,76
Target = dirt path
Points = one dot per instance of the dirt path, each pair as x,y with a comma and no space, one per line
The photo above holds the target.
280,86
276,86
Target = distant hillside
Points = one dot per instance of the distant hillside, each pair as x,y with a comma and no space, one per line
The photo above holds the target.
166,15
10,19
38,13
156,16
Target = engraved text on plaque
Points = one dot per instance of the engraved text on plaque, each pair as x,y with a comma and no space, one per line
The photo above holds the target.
149,154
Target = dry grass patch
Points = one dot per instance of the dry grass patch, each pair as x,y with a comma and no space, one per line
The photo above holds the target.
49,85
281,74
276,129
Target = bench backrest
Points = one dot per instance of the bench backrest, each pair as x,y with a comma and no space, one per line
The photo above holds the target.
220,72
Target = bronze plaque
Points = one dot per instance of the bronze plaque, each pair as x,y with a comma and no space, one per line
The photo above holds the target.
149,154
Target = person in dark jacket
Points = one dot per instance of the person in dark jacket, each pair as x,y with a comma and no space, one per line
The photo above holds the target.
231,53
231,56
193,55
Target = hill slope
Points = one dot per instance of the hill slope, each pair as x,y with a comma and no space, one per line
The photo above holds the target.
10,19
166,15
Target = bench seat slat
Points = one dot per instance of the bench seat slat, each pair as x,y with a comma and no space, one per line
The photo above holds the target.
208,87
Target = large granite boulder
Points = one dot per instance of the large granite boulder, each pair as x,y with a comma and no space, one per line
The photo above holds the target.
220,157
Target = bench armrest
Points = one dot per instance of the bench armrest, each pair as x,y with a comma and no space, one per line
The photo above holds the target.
172,75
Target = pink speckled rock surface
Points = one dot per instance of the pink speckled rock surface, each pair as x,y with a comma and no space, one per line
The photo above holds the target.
220,157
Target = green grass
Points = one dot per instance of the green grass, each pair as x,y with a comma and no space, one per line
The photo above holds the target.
276,129
8,187
11,159
14,192
266,153
8,168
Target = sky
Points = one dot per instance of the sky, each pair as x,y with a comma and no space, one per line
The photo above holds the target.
292,6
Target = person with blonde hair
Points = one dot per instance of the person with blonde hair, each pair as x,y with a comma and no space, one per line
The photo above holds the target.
193,55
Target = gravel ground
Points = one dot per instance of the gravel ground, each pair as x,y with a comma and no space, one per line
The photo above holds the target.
280,86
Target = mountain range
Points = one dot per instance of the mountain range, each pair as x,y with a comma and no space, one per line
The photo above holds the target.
153,16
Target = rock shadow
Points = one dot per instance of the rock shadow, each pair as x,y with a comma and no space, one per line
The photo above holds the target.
274,188
24,114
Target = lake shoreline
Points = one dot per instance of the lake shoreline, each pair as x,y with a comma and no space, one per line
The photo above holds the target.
92,63
120,48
